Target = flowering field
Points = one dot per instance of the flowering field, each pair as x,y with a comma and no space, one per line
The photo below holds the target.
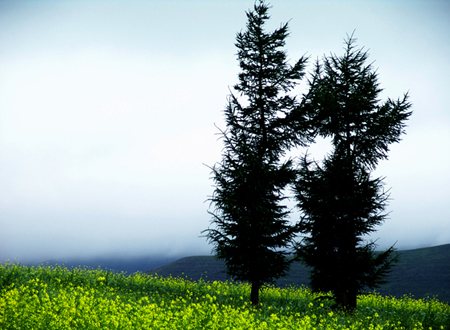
58,298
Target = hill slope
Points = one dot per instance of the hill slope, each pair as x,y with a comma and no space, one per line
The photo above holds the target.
421,272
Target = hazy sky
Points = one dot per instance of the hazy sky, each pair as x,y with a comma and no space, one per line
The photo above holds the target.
107,113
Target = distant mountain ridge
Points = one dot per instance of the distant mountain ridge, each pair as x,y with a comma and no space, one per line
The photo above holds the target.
423,272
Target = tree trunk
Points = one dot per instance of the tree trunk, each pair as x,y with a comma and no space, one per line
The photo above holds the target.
346,300
352,298
254,295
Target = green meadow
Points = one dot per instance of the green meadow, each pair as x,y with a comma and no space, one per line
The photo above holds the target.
47,297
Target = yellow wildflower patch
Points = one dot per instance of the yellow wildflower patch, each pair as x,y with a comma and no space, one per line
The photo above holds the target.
59,298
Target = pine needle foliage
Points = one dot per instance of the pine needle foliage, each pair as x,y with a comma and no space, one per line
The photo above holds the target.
340,201
251,228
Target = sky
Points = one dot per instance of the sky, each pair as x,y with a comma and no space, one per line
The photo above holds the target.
108,112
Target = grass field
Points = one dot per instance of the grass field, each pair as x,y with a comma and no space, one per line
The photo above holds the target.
58,298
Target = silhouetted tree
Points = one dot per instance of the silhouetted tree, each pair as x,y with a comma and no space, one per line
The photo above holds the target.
252,232
339,200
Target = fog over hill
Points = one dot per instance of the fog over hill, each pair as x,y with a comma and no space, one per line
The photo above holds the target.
107,114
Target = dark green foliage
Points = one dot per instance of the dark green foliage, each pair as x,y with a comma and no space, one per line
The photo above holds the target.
340,201
340,207
252,232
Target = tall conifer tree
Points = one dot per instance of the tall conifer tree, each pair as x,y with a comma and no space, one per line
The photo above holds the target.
251,230
340,201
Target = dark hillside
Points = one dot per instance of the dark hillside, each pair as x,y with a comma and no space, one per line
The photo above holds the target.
421,272
194,268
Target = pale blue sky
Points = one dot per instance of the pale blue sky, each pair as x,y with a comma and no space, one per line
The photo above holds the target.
107,112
